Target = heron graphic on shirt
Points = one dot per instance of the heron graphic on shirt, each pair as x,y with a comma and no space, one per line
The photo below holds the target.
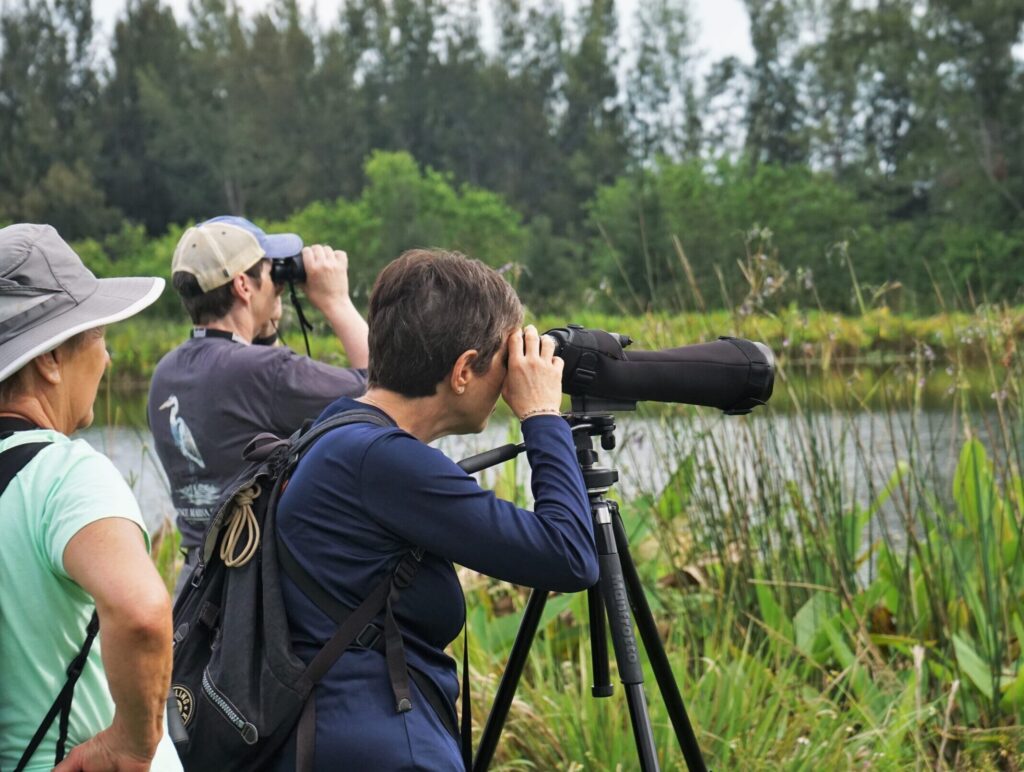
181,434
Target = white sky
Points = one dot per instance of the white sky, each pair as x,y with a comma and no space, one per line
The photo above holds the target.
722,25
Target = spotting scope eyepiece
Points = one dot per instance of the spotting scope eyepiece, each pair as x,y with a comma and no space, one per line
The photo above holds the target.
731,374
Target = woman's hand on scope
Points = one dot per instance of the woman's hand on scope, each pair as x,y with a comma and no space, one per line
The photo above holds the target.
533,384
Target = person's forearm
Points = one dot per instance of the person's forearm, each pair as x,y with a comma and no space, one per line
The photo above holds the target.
137,658
351,329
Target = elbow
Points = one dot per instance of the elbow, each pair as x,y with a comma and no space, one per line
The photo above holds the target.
145,619
582,572
589,572
152,621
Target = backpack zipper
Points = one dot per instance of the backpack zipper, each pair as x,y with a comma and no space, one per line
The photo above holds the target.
246,729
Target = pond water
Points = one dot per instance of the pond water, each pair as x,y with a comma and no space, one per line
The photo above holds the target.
856,450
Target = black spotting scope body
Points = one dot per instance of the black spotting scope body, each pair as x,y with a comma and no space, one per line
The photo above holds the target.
730,374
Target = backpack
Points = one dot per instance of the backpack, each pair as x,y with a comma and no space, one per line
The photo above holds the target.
237,688
12,461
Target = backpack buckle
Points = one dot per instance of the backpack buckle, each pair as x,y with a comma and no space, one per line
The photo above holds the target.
405,572
369,637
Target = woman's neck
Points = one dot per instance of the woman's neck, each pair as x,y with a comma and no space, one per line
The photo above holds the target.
32,410
425,418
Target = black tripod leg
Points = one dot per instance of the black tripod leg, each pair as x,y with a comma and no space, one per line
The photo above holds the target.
510,680
656,651
598,644
627,653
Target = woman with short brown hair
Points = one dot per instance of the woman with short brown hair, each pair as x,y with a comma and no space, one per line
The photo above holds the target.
445,342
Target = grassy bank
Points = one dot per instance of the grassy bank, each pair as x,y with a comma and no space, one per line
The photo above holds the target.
823,339
809,339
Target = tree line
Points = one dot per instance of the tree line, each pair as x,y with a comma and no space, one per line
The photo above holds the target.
870,153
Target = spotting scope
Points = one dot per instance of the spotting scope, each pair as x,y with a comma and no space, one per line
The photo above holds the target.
731,374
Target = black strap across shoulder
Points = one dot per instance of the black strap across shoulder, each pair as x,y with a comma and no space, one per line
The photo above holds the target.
350,625
12,461
10,424
356,627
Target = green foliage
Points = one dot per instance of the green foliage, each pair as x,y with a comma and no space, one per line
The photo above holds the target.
671,238
828,596
402,207
48,87
130,252
651,225
871,153
806,665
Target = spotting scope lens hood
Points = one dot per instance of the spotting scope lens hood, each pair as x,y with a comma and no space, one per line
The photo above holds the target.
731,374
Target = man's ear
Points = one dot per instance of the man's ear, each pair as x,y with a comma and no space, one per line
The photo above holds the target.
462,371
47,366
240,288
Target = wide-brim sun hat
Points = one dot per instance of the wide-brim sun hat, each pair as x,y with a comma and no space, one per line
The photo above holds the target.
47,295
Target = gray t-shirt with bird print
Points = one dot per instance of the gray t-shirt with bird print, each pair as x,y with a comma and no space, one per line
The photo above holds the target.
211,395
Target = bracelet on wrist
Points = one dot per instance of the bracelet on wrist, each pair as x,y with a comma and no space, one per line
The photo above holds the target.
540,411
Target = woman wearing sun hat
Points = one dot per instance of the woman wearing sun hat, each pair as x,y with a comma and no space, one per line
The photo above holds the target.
72,539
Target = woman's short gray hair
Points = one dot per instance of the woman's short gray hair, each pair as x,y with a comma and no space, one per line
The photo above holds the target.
427,307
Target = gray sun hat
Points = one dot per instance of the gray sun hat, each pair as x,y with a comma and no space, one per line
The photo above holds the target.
47,295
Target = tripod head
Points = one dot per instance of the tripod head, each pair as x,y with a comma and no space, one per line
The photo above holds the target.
595,415
584,427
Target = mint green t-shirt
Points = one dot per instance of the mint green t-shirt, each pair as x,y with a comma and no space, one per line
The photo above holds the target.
43,613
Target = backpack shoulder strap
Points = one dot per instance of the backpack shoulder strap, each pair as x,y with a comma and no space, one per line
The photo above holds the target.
304,439
292,568
350,625
13,460
62,705
271,462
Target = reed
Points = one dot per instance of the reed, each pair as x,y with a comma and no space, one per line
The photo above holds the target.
838,578
835,592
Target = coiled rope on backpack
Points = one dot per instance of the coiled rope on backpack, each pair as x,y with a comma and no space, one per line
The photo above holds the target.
241,522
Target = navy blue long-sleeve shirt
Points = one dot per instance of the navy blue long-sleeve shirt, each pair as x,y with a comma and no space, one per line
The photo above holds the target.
363,497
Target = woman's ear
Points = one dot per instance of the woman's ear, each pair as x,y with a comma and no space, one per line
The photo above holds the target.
48,366
462,371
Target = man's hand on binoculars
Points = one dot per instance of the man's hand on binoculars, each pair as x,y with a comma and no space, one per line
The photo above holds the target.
326,275
327,290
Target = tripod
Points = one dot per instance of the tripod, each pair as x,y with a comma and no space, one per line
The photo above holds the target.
617,600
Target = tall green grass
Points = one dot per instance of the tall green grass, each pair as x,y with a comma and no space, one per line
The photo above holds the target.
833,593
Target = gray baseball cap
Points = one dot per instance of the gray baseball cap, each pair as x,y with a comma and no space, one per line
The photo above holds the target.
47,295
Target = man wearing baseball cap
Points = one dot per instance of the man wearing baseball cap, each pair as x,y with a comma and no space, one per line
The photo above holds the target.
217,390
73,546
